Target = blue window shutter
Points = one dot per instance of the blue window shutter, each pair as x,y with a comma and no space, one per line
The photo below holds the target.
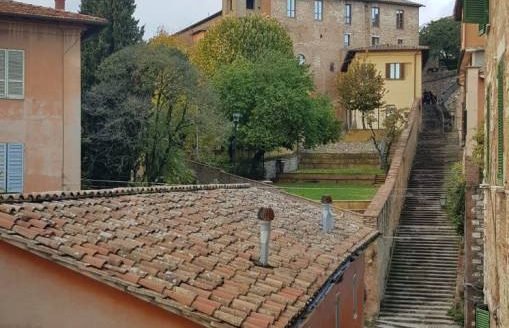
15,168
3,168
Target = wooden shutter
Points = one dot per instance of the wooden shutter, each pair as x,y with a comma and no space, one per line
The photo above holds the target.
15,74
2,73
482,318
487,135
387,71
476,11
15,168
500,121
3,168
402,71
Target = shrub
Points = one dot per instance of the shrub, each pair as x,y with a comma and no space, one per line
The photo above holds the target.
455,190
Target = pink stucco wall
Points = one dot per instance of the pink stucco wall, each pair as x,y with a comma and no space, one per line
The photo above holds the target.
35,292
48,120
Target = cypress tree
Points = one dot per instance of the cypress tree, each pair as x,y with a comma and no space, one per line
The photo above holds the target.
122,30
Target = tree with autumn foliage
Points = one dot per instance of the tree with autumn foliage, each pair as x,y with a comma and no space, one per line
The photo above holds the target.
361,89
249,37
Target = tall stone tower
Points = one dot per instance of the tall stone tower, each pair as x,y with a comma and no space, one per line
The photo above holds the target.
246,7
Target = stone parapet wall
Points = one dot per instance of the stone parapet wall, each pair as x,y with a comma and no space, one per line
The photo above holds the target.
385,209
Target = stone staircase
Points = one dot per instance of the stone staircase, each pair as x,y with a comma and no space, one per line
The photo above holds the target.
422,280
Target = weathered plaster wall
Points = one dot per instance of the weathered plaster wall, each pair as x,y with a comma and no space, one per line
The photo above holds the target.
39,293
47,120
496,192
341,297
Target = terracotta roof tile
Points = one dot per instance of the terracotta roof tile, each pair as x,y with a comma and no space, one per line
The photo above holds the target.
193,248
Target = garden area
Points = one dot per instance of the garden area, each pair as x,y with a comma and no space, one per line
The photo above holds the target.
338,192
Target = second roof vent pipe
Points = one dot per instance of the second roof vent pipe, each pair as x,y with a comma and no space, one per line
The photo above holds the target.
327,216
266,216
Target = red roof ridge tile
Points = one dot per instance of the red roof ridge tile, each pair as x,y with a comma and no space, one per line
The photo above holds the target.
24,10
50,196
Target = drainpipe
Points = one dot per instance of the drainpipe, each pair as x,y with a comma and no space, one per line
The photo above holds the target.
266,216
327,216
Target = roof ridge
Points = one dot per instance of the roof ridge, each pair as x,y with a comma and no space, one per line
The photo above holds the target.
49,196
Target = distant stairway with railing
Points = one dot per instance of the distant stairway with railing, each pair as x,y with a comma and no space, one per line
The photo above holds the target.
422,279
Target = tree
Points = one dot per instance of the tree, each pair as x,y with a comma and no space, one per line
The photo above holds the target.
163,38
361,88
122,30
274,96
147,105
443,38
393,125
249,37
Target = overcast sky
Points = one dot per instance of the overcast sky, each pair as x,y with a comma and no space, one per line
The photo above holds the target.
174,15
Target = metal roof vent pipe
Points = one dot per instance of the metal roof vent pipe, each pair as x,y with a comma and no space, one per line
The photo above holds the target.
327,216
266,216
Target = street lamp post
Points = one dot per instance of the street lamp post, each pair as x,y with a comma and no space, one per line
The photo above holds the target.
236,121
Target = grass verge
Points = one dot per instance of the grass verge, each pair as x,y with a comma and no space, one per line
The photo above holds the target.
315,191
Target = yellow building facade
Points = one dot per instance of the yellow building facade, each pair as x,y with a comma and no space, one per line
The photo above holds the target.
401,68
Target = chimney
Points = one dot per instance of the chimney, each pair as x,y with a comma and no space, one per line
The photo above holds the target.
60,4
327,216
266,216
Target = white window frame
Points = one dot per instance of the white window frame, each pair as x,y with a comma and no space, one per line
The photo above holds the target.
348,13
6,80
375,16
291,8
347,40
395,71
319,10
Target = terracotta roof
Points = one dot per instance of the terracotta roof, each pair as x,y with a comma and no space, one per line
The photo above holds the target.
203,21
191,250
17,9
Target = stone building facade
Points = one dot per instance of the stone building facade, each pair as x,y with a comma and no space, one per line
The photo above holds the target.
323,31
491,20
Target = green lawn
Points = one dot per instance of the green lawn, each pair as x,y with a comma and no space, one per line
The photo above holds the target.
356,170
315,191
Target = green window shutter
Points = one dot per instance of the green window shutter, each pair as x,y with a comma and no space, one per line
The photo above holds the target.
482,318
15,74
487,135
476,11
500,121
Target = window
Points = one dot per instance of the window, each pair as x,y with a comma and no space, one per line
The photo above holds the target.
290,8
375,40
347,40
355,291
318,10
11,168
375,16
250,4
338,310
399,19
301,58
400,42
395,71
12,74
348,14
500,121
